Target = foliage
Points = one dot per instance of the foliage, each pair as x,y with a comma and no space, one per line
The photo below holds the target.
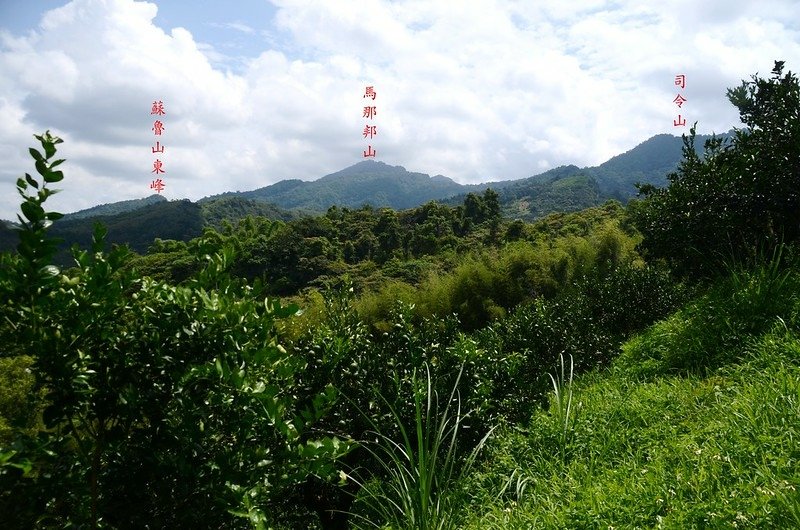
179,220
482,287
165,406
216,211
170,261
561,405
714,329
741,197
115,208
367,182
422,466
533,200
19,404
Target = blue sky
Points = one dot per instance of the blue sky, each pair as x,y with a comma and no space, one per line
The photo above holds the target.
257,91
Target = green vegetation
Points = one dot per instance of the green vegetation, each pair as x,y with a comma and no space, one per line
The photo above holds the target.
420,467
367,182
232,209
743,197
151,391
714,451
449,368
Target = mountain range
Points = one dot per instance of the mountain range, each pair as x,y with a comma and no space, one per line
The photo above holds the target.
567,188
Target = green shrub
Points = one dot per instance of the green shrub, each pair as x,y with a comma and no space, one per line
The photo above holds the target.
376,307
165,406
741,195
19,404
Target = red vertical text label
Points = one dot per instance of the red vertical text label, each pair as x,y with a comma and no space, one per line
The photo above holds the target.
370,131
158,128
680,81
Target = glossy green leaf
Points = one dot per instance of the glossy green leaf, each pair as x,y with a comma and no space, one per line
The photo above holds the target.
31,181
54,176
35,154
32,211
49,147
41,168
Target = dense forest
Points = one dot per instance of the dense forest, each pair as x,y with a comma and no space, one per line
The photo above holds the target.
440,366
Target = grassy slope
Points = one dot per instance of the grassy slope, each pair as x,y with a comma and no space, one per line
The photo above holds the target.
663,445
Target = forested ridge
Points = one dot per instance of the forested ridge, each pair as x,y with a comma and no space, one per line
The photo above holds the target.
563,189
441,366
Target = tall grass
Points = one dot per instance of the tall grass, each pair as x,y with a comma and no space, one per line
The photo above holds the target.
561,405
714,330
422,469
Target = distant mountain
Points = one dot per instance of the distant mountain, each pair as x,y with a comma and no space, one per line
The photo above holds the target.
564,193
561,189
180,220
570,188
368,182
138,227
649,162
566,188
379,184
8,237
115,208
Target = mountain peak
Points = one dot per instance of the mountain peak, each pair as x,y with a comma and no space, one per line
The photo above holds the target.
368,167
366,182
116,207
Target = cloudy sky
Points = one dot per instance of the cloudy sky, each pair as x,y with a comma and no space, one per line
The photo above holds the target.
257,91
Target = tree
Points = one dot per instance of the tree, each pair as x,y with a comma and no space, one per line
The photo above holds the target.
492,202
741,198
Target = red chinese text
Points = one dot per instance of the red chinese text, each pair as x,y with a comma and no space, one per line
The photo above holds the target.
680,80
157,185
158,129
370,131
158,108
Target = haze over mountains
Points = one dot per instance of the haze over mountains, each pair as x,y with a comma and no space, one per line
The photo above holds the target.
566,188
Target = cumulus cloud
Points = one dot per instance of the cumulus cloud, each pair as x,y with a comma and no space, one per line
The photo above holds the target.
475,91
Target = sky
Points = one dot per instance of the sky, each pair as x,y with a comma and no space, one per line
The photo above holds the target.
258,91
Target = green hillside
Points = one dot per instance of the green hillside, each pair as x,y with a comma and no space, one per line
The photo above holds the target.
562,194
647,163
562,189
670,450
233,208
139,226
116,207
180,220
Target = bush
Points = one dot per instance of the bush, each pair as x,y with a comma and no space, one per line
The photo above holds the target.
19,404
165,406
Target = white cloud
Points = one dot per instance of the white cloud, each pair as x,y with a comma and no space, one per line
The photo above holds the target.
474,91
237,26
